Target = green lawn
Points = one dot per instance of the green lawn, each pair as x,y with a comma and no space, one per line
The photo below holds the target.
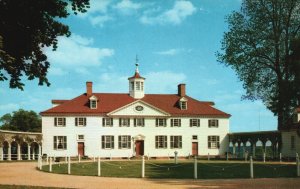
182,170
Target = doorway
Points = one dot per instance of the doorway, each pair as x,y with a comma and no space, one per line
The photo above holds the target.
194,148
81,149
139,147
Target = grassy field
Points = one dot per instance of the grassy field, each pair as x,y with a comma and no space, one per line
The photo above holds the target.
182,170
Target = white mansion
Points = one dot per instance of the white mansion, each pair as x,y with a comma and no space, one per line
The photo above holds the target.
134,124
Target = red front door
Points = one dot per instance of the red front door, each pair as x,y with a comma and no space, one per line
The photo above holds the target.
139,147
81,148
195,148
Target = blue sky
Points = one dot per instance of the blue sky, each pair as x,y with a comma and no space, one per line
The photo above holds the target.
175,41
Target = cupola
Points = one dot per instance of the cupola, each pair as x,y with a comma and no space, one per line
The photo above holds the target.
136,84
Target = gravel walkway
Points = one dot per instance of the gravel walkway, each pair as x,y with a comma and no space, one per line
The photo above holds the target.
25,173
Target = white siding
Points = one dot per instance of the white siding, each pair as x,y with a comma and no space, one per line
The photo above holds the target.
94,130
286,149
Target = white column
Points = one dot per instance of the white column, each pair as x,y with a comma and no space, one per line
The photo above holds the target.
1,153
69,165
19,151
251,168
28,152
143,167
50,164
195,168
33,152
9,152
99,166
40,149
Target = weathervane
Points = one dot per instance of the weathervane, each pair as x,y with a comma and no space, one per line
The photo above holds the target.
136,64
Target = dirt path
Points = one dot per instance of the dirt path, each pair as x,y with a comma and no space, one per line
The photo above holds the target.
25,173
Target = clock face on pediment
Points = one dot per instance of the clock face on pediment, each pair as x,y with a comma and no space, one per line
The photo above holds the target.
138,108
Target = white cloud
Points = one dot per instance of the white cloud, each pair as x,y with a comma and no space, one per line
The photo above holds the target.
176,15
154,84
169,52
99,20
56,71
9,107
127,6
112,82
96,7
172,52
97,13
76,52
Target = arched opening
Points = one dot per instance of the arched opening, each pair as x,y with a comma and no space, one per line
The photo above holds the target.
24,151
5,150
259,149
14,150
230,148
269,149
34,151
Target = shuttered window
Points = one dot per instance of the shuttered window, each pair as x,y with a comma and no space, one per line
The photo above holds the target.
194,122
160,122
80,121
107,142
124,122
161,141
60,142
139,122
176,141
213,123
213,142
59,121
175,122
107,122
124,142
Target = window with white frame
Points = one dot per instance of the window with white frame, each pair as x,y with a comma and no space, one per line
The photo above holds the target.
213,123
183,105
107,122
59,142
138,85
132,85
195,137
80,121
161,122
293,144
124,142
93,104
139,122
107,142
161,141
60,121
213,142
80,137
175,122
124,122
176,141
142,86
194,122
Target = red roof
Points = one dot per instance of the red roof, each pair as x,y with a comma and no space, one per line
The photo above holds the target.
108,102
59,101
137,75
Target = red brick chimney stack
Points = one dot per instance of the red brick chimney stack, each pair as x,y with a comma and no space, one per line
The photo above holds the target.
89,88
181,90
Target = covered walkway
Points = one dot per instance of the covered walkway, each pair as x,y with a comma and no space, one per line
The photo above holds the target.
255,144
15,145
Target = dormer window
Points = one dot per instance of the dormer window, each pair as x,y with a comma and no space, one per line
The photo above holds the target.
93,102
183,103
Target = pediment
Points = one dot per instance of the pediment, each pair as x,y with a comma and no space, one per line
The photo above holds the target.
139,108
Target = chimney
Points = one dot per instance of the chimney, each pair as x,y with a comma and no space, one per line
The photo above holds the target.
89,88
181,90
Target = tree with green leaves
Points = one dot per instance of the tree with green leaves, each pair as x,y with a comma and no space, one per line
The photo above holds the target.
26,27
21,120
258,47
